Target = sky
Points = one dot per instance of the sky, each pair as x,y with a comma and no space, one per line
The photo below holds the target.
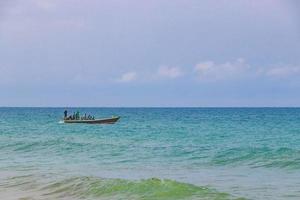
150,53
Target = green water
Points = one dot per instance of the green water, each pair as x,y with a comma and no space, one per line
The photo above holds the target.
151,153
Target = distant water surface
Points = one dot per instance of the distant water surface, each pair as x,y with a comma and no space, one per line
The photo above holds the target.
151,153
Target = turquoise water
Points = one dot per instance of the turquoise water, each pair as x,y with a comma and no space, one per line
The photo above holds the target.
151,153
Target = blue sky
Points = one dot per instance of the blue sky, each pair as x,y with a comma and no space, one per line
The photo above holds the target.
150,53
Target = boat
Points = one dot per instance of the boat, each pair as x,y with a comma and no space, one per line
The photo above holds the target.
111,120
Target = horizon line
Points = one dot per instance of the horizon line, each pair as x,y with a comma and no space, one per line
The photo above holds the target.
149,106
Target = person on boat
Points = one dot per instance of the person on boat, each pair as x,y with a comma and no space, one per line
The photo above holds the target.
66,114
77,115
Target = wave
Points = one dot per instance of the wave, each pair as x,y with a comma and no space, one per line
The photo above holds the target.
98,188
259,157
263,157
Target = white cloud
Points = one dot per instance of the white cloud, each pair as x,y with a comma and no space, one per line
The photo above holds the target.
169,72
282,72
128,77
45,4
212,71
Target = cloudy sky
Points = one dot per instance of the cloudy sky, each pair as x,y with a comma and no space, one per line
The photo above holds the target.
149,53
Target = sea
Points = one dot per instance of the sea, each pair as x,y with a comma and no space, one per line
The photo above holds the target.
151,154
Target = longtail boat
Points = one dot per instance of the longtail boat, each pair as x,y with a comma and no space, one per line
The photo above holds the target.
111,120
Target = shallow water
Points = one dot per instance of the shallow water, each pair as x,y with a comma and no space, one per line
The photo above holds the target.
151,153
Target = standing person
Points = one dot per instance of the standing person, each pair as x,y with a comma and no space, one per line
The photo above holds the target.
77,115
66,114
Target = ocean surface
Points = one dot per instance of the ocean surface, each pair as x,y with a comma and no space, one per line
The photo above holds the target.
151,153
